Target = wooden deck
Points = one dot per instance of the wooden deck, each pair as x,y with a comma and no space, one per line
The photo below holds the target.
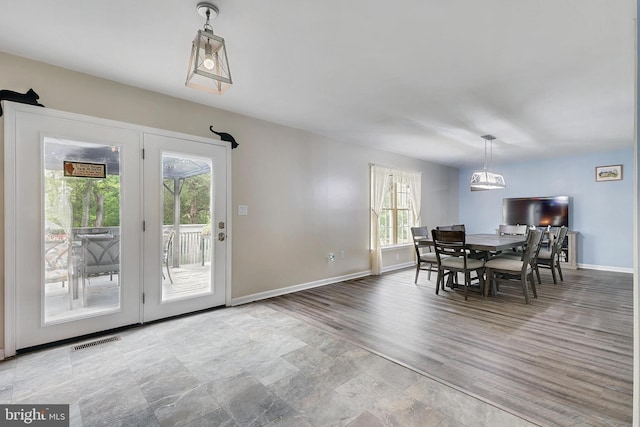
103,293
564,360
188,280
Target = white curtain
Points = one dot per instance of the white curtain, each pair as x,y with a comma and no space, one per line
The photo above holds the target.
379,182
414,180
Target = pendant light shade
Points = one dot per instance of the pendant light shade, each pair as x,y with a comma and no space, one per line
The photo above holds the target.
486,179
208,65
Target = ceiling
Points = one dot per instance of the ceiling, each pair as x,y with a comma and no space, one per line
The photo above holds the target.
424,78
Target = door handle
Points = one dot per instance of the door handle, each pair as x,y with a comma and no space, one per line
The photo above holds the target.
222,236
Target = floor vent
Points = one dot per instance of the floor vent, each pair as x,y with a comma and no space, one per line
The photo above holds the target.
94,343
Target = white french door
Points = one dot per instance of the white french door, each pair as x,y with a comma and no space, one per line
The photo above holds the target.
56,296
98,237
187,270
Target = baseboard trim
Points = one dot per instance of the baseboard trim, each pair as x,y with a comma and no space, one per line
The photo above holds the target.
310,285
398,266
296,288
606,268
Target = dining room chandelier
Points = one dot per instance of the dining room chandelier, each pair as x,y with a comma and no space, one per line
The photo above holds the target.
486,179
208,66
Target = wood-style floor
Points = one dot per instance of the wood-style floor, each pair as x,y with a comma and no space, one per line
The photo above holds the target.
565,359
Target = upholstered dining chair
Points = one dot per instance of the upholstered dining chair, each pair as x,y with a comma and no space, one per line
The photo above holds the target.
533,259
507,269
453,258
425,257
550,258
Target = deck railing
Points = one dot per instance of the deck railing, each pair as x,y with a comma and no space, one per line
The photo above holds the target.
194,247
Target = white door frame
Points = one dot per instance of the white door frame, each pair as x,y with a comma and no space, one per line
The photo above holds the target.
10,196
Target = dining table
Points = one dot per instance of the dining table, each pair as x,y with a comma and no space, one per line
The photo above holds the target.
486,242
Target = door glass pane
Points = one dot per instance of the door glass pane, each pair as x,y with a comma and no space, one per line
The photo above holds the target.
81,249
187,248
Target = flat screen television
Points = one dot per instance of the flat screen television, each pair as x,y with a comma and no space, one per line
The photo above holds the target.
538,211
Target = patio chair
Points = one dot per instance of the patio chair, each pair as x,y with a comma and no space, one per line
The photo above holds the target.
166,252
56,261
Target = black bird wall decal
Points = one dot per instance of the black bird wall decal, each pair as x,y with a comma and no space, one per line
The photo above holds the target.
225,137
30,97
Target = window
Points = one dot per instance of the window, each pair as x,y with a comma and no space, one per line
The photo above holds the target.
397,213
400,205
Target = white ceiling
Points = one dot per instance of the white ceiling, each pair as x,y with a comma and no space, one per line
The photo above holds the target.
424,78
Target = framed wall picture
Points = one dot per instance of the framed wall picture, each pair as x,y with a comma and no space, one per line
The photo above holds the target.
609,173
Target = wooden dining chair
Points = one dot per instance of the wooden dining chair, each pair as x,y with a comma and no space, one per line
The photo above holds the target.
550,258
512,230
453,258
455,227
533,259
425,257
510,270
460,227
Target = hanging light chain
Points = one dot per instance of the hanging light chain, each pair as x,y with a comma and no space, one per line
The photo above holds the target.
490,153
485,153
207,25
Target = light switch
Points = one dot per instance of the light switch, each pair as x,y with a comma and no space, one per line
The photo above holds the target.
243,210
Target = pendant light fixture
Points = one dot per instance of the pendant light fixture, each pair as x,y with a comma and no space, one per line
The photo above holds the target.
485,179
208,66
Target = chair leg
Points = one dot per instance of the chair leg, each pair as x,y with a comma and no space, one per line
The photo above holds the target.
523,281
452,279
467,280
417,272
533,285
487,282
560,270
440,277
452,282
169,273
537,274
494,283
553,274
429,273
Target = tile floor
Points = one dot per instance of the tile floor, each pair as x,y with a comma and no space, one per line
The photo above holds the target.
242,366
